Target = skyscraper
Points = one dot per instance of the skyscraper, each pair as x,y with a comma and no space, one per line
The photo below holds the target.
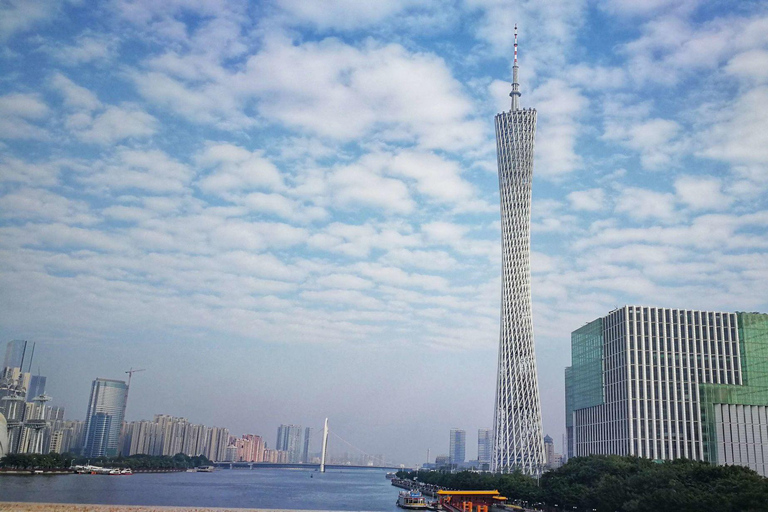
36,387
670,383
289,440
104,418
549,452
18,353
307,444
458,447
517,436
484,447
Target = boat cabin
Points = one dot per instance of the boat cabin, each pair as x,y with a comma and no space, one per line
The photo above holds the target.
469,501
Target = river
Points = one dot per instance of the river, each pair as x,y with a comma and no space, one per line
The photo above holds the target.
352,489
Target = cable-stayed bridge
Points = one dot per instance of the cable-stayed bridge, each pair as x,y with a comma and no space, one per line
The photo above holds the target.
375,461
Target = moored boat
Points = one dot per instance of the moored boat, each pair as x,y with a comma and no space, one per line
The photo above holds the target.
411,500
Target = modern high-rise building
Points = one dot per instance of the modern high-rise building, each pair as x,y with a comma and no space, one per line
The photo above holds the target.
104,418
36,387
289,440
668,383
517,437
549,452
458,446
484,447
4,441
305,454
18,354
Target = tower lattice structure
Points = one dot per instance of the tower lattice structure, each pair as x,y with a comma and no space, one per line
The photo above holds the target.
517,439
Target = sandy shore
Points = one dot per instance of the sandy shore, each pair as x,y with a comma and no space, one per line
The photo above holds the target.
72,507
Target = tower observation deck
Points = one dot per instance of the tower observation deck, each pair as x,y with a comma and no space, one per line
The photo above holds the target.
517,436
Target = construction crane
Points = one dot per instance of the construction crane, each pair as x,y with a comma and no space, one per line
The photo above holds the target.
131,372
128,387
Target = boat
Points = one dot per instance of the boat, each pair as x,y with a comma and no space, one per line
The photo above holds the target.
205,469
411,500
126,471
391,476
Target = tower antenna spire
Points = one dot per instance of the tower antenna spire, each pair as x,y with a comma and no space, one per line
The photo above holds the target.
515,94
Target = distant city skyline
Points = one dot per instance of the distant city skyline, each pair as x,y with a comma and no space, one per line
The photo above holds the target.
286,212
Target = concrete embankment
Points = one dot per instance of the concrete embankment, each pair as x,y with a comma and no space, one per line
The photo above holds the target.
426,489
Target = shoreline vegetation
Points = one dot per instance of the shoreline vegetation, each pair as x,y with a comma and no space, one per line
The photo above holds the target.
609,483
60,462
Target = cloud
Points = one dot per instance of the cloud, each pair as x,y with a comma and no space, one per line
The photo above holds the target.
559,105
360,184
17,113
17,16
591,200
739,132
342,14
16,170
87,48
75,96
657,140
752,65
150,171
38,204
114,124
643,204
284,207
702,193
340,91
235,169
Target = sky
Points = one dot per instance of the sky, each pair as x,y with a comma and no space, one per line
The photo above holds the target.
288,210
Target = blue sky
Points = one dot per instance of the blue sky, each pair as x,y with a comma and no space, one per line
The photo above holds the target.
288,210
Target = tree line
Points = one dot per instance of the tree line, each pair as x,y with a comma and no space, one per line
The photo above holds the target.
66,460
612,483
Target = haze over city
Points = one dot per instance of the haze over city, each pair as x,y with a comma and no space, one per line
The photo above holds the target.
287,210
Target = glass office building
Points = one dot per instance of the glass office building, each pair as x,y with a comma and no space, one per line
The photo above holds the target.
668,383
104,418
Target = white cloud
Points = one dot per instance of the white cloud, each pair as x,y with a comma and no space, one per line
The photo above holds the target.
657,140
360,184
15,170
39,204
559,104
342,14
87,48
21,15
75,96
739,132
752,65
287,208
643,204
702,193
590,200
344,281
17,112
150,171
236,169
114,124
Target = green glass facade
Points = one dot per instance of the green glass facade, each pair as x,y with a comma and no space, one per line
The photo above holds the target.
584,378
753,347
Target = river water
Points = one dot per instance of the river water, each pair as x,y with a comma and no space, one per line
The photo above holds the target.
347,490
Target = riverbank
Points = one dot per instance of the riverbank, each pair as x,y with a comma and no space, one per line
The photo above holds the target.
68,471
72,507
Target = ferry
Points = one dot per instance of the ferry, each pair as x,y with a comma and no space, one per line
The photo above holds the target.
411,500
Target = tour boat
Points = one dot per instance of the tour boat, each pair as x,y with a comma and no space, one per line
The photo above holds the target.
411,500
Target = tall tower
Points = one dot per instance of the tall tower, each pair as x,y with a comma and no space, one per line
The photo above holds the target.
517,439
